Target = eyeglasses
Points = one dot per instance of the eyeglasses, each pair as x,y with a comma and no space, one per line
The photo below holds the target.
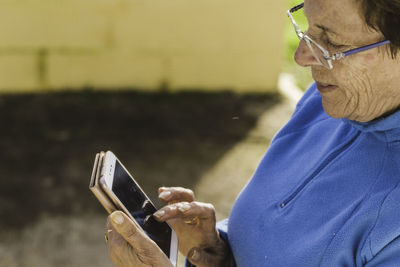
321,54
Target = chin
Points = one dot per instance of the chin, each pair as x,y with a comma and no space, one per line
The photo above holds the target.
333,111
341,115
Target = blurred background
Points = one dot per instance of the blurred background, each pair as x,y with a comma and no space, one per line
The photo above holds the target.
185,93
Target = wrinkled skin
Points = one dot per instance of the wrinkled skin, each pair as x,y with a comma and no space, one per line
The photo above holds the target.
128,244
367,83
200,235
193,222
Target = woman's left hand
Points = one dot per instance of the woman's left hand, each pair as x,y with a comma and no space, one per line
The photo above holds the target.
128,244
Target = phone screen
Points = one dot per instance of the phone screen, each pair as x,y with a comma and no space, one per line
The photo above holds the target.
140,208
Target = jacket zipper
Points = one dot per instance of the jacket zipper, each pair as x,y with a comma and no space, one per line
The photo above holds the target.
327,160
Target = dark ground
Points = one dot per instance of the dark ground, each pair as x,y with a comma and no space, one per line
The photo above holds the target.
48,143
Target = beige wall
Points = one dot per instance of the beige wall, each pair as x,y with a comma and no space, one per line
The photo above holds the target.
211,44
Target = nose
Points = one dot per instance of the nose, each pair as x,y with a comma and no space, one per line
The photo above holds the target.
303,55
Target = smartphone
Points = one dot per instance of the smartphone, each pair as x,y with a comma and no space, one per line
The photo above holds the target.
127,196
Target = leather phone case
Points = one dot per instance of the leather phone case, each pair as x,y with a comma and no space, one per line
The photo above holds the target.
95,185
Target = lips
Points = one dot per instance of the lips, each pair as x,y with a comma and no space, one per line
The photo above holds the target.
325,87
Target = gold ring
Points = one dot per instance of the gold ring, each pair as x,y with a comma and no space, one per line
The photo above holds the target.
193,221
106,235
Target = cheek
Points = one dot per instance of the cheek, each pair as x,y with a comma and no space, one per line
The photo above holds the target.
369,58
358,84
354,75
355,84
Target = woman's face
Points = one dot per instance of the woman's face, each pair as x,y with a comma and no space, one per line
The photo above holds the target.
362,86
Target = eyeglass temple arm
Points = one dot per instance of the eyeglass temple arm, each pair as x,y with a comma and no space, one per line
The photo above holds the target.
289,13
359,49
295,8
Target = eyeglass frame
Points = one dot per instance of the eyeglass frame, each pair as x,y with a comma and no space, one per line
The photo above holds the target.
325,52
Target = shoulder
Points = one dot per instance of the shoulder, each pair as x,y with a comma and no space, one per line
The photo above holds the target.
309,94
308,112
310,106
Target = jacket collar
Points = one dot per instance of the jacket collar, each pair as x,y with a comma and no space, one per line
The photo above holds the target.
385,127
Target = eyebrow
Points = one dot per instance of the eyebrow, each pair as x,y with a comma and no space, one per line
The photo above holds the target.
326,29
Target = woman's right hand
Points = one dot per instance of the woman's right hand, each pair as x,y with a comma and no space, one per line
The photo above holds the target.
195,225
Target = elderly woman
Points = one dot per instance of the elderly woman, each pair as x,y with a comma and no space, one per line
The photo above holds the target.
327,193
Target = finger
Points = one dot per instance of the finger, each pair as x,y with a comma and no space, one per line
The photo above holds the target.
200,257
169,212
175,194
116,244
112,235
130,231
119,249
109,235
186,210
108,224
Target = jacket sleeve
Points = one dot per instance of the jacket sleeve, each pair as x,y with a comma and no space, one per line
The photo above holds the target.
389,256
222,227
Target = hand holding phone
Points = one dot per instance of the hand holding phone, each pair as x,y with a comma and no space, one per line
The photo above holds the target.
128,245
117,190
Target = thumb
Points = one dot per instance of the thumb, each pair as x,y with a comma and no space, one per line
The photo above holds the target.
129,230
200,257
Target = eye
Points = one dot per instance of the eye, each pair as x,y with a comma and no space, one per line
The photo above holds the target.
333,45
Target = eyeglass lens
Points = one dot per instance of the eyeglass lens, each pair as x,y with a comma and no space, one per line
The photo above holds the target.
301,20
317,52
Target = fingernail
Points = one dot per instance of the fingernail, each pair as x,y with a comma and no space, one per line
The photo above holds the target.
195,255
159,214
117,218
184,207
164,194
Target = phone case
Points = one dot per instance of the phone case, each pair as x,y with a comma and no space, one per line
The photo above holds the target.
96,187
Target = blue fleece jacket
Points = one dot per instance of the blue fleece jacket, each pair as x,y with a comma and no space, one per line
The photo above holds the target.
326,193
